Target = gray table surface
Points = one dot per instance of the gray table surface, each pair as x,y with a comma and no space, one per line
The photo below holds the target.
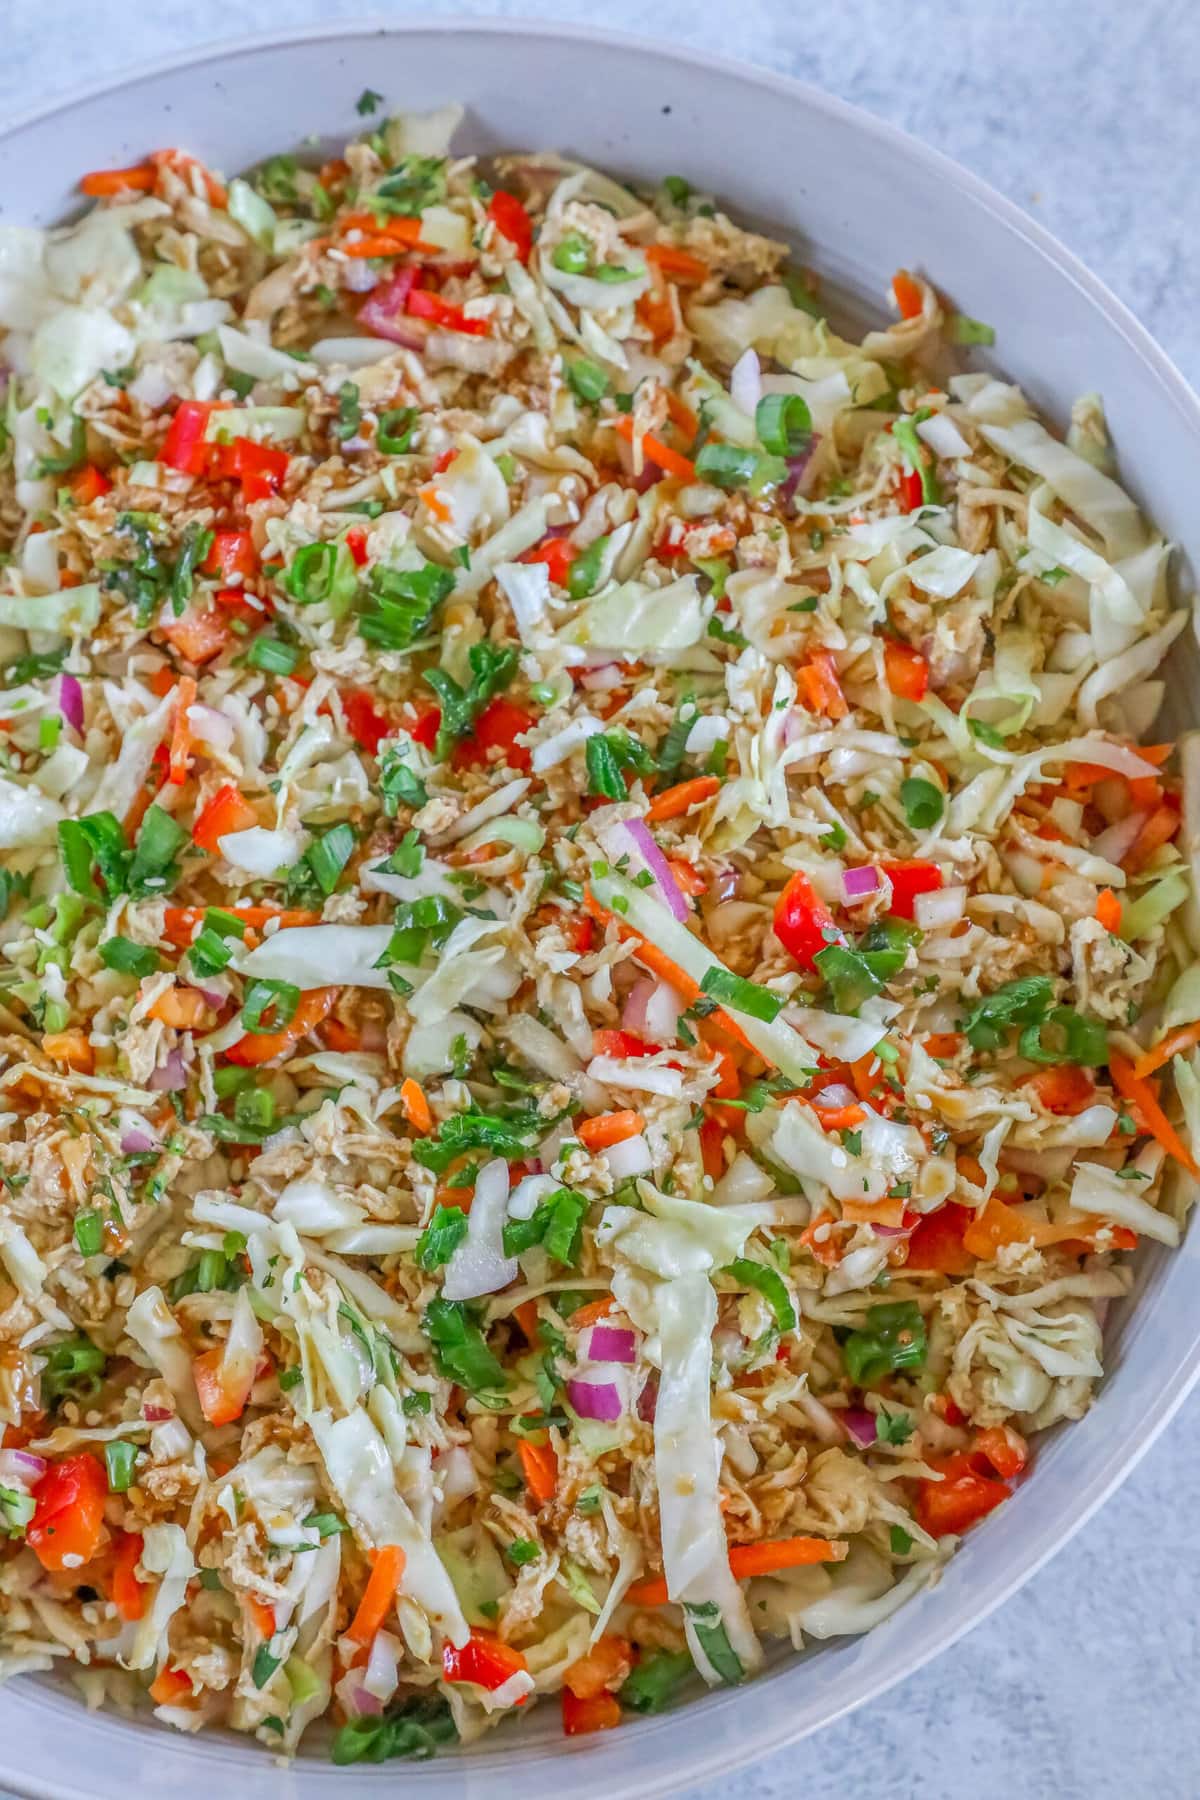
1084,112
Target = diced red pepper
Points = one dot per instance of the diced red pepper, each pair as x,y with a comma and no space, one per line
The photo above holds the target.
558,553
68,1516
128,1593
185,447
198,635
423,303
261,468
818,676
600,1712
512,221
909,879
497,728
620,1043
936,1244
429,723
226,811
484,1660
231,553
88,484
965,1494
1066,1088
906,669
368,728
912,491
1004,1448
356,544
803,923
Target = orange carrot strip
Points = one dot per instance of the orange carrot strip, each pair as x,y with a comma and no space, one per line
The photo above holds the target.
526,1316
593,1311
181,731
1174,1044
378,1594
70,1047
263,1616
908,294
1132,1087
416,1106
686,422
674,801
182,1008
540,1466
1108,910
677,265
746,1560
100,183
435,503
1159,829
612,1128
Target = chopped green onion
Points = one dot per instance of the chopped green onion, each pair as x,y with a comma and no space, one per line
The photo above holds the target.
770,1285
586,379
573,254
349,411
278,998
584,571
604,772
892,1339
394,432
784,424
965,330
89,1232
742,996
328,855
273,656
119,1459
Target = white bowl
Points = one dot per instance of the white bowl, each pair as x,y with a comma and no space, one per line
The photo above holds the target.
861,200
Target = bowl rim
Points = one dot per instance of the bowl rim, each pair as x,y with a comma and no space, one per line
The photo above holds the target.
1112,1468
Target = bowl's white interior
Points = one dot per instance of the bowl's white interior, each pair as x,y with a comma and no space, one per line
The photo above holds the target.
858,200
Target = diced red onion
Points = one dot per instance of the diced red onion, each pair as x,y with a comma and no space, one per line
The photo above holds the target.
745,383
798,475
858,883
212,726
170,1075
383,311
658,866
595,1399
647,1401
603,679
134,1143
633,1014
836,1094
21,1465
70,701
893,1231
365,1703
612,1343
1118,840
860,1425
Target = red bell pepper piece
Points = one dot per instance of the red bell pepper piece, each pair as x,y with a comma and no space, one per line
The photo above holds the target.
906,670
620,1043
69,1512
185,447
356,544
423,303
484,1660
231,553
429,723
803,923
909,879
88,484
967,1492
912,492
260,468
368,728
496,728
558,553
512,221
227,811
600,1712
936,1245
128,1593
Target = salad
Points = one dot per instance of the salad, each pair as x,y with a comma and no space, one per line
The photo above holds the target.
595,982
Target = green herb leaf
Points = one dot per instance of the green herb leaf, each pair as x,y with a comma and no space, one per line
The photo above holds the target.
441,1237
923,802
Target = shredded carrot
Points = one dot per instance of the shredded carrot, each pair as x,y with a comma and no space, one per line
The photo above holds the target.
437,506
685,421
1174,1044
378,1595
181,731
1159,829
263,1616
183,165
1108,910
540,1467
526,1316
668,460
1133,1087
593,1311
908,294
404,231
825,1249
70,1047
839,1118
747,1560
681,798
170,1687
100,183
416,1106
612,1128
677,265
943,1044
888,1212
604,1666
822,689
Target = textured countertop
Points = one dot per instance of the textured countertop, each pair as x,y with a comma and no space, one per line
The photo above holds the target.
1082,111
